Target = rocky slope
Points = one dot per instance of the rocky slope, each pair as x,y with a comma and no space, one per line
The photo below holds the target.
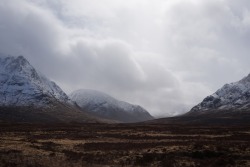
105,106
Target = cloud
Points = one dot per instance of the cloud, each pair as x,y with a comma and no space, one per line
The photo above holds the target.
208,37
164,55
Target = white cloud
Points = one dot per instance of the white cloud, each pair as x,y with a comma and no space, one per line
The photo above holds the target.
163,55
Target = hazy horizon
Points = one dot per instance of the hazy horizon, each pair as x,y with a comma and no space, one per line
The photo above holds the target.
165,55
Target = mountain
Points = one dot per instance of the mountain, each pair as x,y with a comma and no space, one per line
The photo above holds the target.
22,85
234,96
228,105
26,95
105,106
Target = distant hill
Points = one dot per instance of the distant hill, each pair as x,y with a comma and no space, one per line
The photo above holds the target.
105,106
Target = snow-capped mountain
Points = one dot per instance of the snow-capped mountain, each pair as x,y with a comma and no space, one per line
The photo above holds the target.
28,96
22,85
229,105
234,96
105,106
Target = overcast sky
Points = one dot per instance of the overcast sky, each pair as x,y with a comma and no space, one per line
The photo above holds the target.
165,55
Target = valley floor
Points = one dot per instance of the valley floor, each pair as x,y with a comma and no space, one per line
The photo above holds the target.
123,145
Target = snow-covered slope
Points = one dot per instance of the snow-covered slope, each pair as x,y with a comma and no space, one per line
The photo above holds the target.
105,106
22,85
234,96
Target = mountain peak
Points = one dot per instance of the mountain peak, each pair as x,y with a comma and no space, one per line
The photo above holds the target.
17,64
21,60
22,85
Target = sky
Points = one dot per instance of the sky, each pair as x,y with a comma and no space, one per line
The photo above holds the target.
165,55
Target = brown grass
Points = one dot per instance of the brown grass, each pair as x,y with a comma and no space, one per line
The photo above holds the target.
123,145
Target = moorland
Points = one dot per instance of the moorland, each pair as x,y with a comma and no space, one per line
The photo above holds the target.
97,145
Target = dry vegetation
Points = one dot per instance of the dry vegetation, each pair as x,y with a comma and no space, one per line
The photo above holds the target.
123,145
